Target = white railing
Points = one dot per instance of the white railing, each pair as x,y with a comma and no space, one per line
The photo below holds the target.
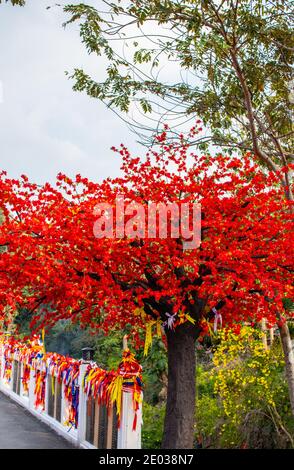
96,426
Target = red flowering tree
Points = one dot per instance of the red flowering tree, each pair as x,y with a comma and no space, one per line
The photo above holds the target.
53,265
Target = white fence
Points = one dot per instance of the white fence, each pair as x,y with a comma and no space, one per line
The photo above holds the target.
97,425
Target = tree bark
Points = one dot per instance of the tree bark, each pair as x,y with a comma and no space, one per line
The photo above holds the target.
181,392
287,344
289,360
264,333
271,331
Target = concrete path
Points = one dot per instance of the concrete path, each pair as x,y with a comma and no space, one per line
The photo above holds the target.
21,430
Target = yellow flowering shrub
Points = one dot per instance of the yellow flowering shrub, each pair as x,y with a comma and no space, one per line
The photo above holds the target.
250,386
244,372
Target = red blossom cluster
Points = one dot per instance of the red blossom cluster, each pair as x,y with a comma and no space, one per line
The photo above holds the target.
52,264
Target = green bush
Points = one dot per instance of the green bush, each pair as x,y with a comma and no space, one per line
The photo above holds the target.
152,429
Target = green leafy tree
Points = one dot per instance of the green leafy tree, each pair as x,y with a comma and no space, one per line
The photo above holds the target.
237,54
21,3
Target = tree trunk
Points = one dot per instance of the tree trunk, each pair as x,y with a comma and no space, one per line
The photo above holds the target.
264,333
289,360
180,408
271,332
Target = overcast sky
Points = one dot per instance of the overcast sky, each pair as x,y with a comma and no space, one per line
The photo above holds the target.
45,127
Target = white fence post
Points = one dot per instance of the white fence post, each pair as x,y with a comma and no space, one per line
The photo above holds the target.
3,383
12,372
127,438
21,375
32,388
46,404
1,363
82,405
87,357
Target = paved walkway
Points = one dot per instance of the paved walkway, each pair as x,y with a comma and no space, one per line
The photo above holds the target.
21,430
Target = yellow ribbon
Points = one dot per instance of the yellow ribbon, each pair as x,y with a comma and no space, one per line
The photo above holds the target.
43,340
148,337
140,312
38,384
116,392
190,318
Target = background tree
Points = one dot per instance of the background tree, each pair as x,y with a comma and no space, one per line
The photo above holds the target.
21,3
237,56
56,269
